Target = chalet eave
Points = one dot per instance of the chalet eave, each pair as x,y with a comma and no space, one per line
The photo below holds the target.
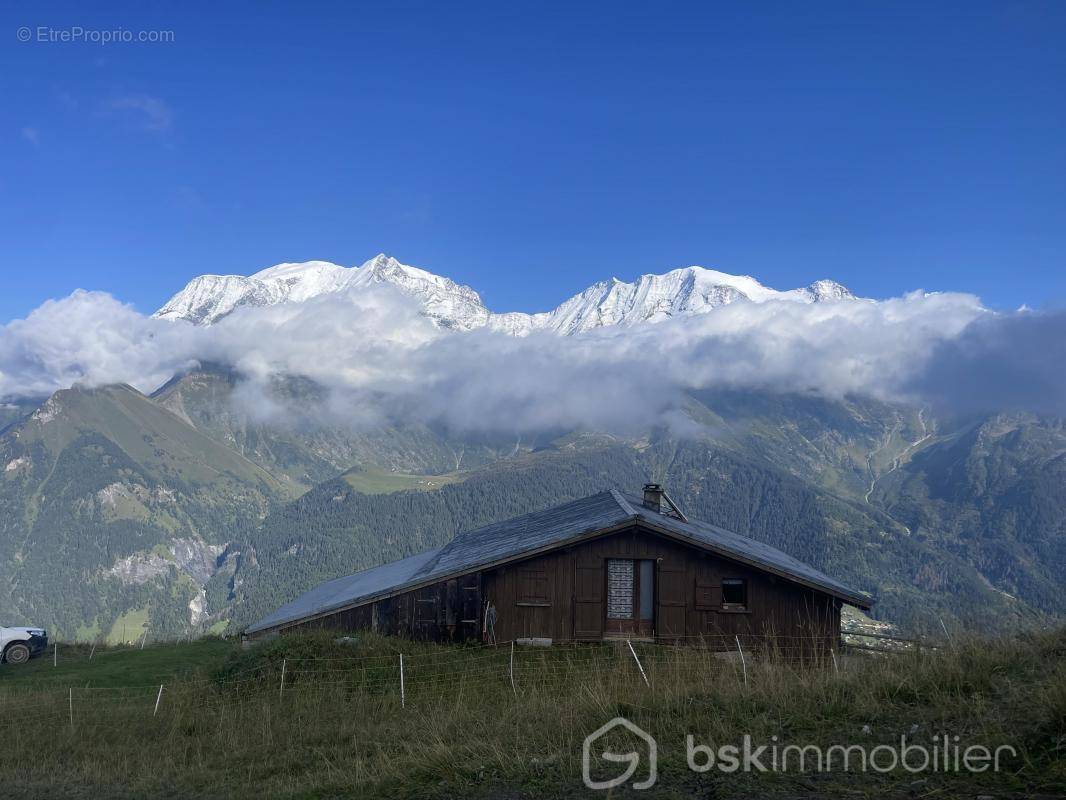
858,600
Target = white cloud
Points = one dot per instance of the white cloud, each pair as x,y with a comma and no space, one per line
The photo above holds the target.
89,338
31,135
154,113
1012,362
380,359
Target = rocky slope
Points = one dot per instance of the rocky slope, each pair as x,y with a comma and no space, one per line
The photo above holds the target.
110,504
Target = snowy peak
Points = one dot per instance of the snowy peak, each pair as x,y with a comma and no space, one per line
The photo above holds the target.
650,298
209,298
680,292
302,281
449,304
829,290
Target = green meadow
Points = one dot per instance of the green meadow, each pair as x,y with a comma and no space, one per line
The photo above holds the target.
314,716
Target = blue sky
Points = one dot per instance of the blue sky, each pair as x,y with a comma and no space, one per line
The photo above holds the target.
529,150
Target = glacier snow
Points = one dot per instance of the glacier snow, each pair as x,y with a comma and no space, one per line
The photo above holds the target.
651,298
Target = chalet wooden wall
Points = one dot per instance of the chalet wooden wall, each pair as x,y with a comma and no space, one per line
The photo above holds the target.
688,596
561,596
445,611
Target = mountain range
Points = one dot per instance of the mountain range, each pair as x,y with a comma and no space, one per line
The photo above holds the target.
183,511
651,298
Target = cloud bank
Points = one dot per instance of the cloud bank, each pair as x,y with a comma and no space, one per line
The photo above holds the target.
380,360
1015,362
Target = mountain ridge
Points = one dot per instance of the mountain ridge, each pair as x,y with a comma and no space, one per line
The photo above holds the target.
685,291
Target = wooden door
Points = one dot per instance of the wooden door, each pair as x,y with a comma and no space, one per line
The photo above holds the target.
470,607
588,602
670,617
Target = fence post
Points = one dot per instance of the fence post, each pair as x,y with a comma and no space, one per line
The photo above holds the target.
281,690
403,699
71,708
511,671
158,697
55,654
944,628
642,674
743,663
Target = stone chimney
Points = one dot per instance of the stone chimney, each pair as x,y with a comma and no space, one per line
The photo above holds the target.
653,496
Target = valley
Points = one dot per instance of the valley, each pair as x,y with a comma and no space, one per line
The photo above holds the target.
183,512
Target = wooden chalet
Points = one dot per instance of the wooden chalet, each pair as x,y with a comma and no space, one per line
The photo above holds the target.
611,565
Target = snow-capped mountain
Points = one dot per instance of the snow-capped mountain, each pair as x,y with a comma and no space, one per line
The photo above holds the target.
209,298
650,298
653,298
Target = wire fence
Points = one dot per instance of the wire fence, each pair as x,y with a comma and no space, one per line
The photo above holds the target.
409,679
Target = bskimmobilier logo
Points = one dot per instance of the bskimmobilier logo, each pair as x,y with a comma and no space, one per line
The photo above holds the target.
939,753
643,739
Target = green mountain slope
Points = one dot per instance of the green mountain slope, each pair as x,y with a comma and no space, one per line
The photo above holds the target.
287,432
842,446
994,492
111,504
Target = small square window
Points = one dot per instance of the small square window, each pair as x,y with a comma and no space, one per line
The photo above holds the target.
734,594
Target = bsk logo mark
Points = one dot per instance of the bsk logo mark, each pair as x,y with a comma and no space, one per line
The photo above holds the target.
632,758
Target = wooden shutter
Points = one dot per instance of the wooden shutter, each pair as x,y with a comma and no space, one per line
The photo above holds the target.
533,588
427,611
708,595
670,620
588,602
470,606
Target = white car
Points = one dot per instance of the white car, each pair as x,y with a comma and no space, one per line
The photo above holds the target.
19,645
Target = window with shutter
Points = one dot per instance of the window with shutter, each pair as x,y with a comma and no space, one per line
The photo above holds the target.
734,594
533,589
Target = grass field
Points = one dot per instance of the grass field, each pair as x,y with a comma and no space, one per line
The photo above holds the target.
377,481
114,667
227,724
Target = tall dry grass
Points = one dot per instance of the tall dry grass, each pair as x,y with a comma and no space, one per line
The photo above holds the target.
339,727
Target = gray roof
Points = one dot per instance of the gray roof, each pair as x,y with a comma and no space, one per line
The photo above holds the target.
747,550
541,530
346,591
